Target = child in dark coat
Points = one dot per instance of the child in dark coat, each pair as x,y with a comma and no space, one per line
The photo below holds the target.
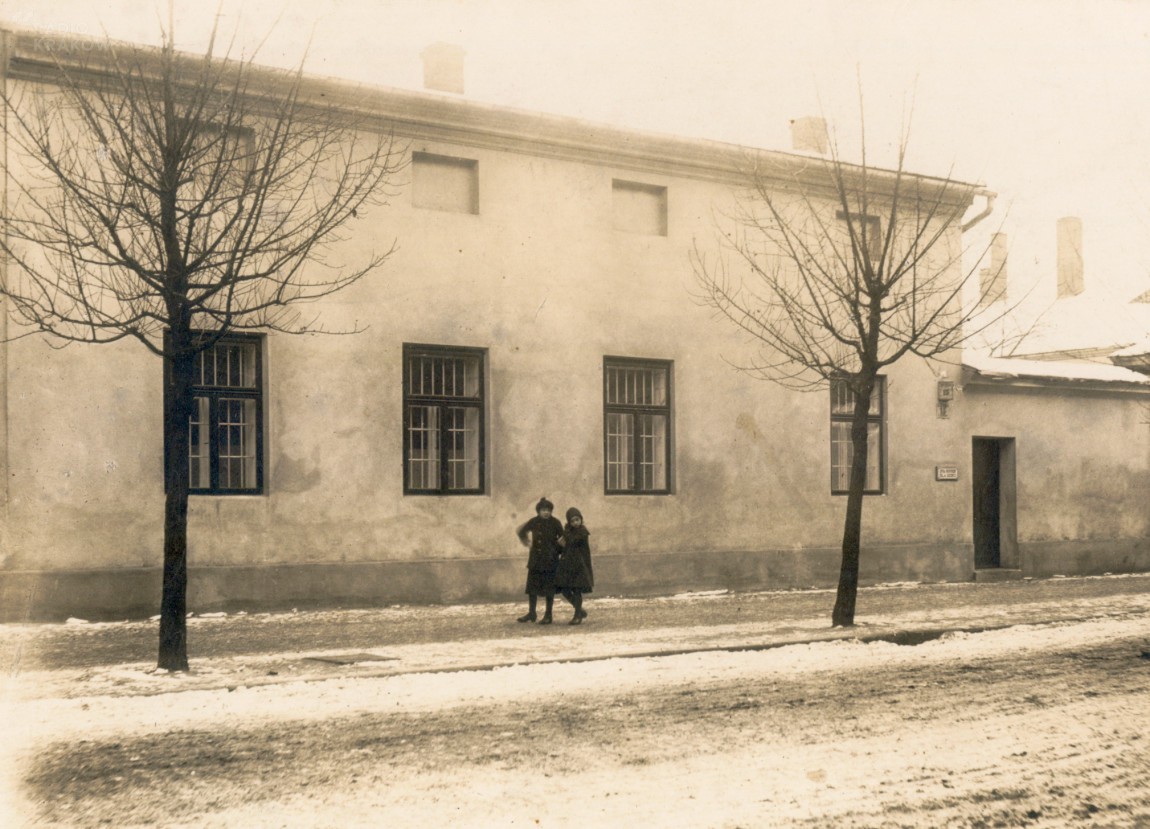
574,576
542,535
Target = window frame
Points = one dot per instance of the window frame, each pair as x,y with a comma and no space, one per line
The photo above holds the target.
878,418
633,411
479,403
215,393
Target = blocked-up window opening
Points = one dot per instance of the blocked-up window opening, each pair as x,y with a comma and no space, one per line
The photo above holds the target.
220,165
639,208
867,231
443,183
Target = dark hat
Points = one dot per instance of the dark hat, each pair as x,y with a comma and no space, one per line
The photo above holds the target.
571,513
544,504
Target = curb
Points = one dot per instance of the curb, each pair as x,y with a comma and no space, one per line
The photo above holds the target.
901,636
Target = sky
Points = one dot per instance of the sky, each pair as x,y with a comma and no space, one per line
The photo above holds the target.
1043,101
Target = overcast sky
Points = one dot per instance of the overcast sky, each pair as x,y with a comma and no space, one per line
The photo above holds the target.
1047,102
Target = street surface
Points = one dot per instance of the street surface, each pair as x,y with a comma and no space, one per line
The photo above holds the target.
702,711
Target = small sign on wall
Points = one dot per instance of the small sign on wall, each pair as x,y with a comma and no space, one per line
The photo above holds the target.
946,472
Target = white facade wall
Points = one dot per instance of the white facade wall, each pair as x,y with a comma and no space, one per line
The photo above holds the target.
541,279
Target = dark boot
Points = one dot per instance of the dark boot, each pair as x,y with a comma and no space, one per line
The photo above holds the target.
529,616
577,600
546,620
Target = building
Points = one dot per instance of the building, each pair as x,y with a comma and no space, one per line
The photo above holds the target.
536,335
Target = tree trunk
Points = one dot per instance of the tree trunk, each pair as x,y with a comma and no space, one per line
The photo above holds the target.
843,614
178,405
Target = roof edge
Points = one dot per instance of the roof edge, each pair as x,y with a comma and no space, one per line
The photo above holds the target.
418,114
980,370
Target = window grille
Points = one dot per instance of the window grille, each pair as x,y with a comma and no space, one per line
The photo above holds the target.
637,426
443,420
225,435
842,451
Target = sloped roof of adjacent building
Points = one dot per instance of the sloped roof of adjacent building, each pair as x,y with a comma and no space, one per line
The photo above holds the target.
987,370
1086,322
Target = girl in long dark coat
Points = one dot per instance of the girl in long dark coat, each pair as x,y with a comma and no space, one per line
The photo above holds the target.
542,535
574,576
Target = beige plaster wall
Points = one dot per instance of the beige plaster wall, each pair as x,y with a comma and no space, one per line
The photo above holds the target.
1082,459
541,279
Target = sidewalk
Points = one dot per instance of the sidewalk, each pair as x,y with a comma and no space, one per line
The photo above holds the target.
246,650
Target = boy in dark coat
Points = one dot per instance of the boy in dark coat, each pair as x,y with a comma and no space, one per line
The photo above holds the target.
544,531
574,576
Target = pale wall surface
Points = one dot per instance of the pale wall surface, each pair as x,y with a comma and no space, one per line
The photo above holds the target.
1083,474
542,280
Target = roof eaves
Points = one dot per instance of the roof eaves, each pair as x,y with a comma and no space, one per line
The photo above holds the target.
430,116
1117,379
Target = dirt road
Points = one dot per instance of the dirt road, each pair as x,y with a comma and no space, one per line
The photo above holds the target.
1029,726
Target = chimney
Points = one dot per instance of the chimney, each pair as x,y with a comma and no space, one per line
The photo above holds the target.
809,135
1070,276
992,280
443,67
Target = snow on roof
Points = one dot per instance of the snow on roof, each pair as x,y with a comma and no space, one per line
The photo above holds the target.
1084,322
1136,350
1017,368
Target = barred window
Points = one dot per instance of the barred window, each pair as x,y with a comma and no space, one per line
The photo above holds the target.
225,441
842,452
637,426
443,420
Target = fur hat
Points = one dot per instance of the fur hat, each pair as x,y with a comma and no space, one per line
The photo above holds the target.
571,513
544,504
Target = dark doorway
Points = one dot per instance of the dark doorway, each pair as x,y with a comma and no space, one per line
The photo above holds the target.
992,480
985,475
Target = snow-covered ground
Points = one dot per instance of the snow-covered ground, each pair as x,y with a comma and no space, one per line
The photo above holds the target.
739,760
114,714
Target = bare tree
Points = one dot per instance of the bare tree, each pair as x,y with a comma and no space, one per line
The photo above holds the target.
173,199
837,271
